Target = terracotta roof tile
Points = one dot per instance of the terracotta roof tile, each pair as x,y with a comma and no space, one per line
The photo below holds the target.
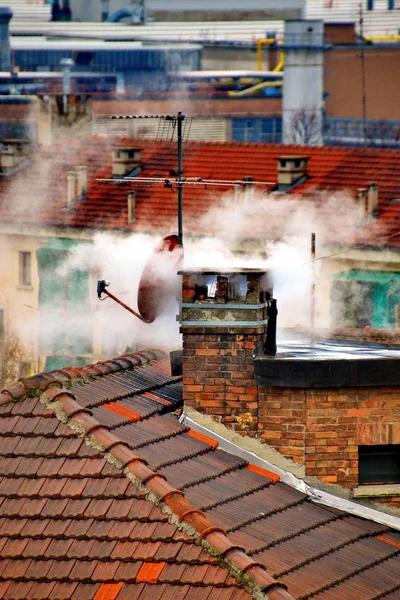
62,591
108,591
330,169
85,591
85,525
19,590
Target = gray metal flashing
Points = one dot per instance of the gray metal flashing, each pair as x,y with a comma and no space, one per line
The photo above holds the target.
208,305
315,495
223,323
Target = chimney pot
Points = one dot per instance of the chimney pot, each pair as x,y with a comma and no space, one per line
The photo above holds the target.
362,199
131,207
125,160
290,170
81,178
373,195
71,188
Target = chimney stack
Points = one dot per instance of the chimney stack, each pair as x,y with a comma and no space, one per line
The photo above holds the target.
71,188
81,179
126,161
224,316
373,193
292,170
131,207
362,201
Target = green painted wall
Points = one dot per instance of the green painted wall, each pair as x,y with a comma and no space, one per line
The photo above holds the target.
66,300
360,297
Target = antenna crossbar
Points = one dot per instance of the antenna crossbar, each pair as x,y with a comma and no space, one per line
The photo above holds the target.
186,181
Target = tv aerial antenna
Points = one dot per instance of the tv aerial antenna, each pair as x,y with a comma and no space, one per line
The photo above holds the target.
170,127
177,127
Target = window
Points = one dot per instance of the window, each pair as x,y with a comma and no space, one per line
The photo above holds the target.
391,4
370,4
25,268
24,368
379,464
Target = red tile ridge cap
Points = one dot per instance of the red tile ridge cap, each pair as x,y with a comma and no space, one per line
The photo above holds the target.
252,575
66,377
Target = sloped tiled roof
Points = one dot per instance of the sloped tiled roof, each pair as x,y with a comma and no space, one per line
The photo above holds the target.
37,194
104,494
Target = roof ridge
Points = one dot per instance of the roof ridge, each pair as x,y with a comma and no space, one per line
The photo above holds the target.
33,386
252,575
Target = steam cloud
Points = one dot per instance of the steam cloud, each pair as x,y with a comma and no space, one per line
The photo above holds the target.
284,225
281,224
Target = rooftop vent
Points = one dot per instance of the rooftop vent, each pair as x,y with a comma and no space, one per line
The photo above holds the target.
131,207
71,188
81,180
126,161
12,155
373,197
292,170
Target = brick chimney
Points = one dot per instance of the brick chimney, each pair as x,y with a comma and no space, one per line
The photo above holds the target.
126,161
292,170
224,324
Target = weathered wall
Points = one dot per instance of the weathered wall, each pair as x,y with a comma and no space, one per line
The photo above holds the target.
343,82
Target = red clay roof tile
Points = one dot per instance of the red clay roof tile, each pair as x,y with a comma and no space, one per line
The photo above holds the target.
108,591
150,572
331,169
93,527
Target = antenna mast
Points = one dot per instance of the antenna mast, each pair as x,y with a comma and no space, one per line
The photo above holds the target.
180,118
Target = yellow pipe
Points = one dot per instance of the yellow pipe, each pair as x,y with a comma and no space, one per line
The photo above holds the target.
260,44
383,38
255,88
281,62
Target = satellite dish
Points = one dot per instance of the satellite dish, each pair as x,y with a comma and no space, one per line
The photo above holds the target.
156,275
154,283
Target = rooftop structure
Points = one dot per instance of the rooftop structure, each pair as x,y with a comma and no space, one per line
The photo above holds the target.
104,207
105,493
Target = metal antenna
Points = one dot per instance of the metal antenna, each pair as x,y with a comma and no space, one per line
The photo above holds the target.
312,308
166,130
180,175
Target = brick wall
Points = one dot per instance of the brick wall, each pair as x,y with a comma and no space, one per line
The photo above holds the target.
218,374
319,428
282,419
323,428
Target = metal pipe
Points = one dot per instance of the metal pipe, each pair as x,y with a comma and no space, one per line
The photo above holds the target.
270,342
281,62
383,38
128,308
101,289
260,44
312,312
255,88
180,179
